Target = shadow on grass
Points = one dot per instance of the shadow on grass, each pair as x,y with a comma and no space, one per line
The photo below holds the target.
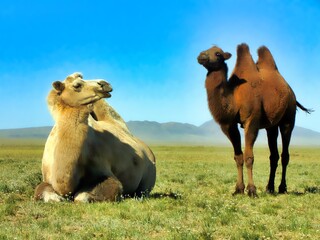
171,195
312,189
307,190
153,195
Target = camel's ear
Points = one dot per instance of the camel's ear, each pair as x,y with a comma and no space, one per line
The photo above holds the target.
58,86
226,55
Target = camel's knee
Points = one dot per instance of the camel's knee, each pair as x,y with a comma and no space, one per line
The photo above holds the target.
285,159
239,160
249,161
274,157
40,189
108,190
44,191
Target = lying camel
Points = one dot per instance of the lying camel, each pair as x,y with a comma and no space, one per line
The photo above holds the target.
90,154
255,96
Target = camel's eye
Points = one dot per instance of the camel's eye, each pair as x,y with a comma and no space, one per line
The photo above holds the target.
77,86
218,54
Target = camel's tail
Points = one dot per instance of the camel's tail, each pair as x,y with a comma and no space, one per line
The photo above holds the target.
304,109
266,59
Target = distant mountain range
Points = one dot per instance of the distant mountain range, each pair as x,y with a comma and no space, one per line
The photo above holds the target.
171,133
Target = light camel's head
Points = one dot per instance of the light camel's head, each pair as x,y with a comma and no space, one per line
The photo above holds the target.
75,92
213,58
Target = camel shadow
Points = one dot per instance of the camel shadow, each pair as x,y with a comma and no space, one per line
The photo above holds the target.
153,195
160,195
307,190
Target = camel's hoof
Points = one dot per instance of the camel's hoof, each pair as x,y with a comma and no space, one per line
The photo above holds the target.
270,189
282,189
252,192
238,191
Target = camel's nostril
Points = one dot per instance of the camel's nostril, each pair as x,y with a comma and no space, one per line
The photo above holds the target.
103,83
203,57
105,86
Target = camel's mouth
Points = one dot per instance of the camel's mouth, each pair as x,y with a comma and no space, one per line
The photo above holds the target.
105,94
203,59
105,90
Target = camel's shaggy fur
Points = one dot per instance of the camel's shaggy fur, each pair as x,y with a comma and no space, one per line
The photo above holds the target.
255,96
90,155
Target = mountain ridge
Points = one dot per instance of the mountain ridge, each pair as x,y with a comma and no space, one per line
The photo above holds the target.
153,132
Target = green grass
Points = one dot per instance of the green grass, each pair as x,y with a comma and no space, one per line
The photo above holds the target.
192,199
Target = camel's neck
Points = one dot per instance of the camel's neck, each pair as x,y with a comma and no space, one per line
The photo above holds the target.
216,79
71,131
69,118
218,94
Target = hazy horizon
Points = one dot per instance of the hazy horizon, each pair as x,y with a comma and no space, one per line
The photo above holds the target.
196,125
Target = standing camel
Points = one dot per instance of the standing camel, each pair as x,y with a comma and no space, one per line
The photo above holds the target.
256,96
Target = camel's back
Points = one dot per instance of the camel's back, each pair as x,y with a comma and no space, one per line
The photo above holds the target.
120,139
277,96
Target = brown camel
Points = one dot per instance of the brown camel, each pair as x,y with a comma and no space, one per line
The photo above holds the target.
90,154
256,96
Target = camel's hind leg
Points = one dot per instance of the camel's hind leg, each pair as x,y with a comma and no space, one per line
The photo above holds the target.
44,191
232,132
274,156
286,131
109,189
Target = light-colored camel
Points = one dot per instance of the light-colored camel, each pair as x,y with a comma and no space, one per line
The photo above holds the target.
255,96
90,154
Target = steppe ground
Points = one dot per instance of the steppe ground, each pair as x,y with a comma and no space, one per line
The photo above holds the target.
192,199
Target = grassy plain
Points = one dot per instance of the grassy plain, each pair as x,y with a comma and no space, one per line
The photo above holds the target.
192,200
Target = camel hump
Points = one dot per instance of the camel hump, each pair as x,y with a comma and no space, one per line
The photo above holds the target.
266,60
244,58
243,49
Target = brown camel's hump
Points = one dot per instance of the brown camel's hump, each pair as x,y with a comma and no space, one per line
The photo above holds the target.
266,60
244,64
243,49
244,58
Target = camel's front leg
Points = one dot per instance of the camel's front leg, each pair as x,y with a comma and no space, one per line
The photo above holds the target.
109,189
44,191
61,187
251,133
232,132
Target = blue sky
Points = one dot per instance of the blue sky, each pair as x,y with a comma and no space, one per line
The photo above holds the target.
147,50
